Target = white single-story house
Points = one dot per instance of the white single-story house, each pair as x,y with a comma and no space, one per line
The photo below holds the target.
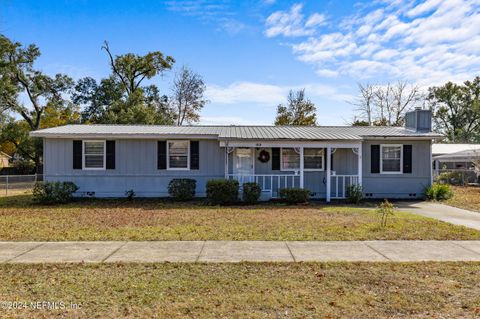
456,158
108,160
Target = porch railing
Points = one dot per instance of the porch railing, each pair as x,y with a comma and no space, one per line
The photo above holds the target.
269,184
340,183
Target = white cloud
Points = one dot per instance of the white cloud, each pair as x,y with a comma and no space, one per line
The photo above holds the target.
267,94
429,42
291,23
315,20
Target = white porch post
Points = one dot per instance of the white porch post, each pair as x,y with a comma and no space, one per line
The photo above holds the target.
360,166
302,165
226,161
329,165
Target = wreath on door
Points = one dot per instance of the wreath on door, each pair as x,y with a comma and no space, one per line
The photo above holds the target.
264,156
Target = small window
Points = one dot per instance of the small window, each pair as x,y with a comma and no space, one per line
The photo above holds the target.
290,159
313,159
94,155
178,155
391,159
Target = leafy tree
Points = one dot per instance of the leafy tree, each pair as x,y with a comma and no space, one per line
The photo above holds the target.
18,79
188,99
121,98
299,110
456,110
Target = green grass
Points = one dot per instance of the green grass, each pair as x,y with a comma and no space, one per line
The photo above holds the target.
246,290
20,219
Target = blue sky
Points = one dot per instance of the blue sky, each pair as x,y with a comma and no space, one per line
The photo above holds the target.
251,53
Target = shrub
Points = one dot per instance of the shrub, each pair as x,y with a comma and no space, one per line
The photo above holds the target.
294,195
438,192
385,209
182,189
54,192
452,178
23,166
130,194
222,191
251,193
354,194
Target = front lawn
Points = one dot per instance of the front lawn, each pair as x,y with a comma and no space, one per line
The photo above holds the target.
246,290
466,197
160,220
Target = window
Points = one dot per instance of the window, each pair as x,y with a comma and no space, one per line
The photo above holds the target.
93,154
178,155
391,159
313,159
290,159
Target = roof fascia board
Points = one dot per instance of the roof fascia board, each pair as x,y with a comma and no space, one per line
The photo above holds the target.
125,136
290,143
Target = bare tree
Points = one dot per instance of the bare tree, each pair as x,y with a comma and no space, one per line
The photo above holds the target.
386,105
364,102
188,95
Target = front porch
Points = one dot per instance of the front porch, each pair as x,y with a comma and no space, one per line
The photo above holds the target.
326,169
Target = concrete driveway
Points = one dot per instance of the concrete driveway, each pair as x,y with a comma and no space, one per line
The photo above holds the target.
442,212
238,251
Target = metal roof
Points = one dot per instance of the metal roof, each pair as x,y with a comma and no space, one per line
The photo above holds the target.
232,132
438,149
467,155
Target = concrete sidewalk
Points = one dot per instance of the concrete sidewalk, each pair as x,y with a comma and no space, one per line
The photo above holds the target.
442,212
237,251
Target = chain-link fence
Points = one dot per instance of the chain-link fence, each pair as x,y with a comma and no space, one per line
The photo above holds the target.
17,184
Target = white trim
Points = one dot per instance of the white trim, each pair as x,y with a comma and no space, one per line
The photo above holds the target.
188,157
302,166
381,158
360,165
328,191
291,144
281,161
104,156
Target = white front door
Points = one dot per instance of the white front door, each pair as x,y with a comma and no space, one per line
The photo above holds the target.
243,161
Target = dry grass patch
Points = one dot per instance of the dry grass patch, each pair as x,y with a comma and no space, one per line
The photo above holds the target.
160,220
247,290
466,197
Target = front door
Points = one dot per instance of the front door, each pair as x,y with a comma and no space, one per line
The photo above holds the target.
243,161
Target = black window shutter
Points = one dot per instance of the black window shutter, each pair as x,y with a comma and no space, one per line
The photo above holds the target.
194,155
407,159
77,154
110,155
375,159
162,155
275,159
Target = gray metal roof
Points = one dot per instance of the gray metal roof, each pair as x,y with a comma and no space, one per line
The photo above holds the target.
232,132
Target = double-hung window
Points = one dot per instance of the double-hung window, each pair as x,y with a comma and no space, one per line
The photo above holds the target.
313,159
178,155
290,159
94,155
391,159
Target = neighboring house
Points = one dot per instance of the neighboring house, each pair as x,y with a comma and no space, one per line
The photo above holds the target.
456,158
4,159
107,160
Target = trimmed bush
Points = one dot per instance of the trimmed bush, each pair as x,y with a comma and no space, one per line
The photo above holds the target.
354,194
182,189
54,192
222,191
294,195
438,192
251,193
